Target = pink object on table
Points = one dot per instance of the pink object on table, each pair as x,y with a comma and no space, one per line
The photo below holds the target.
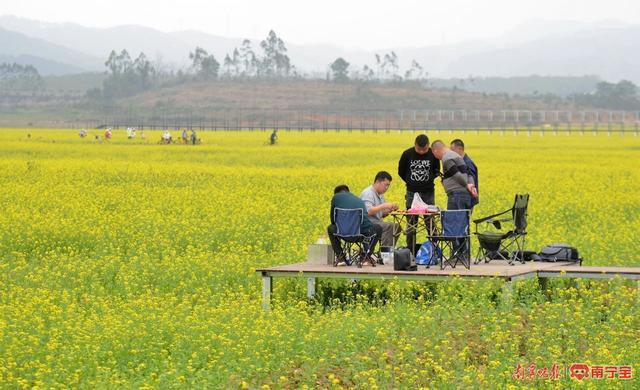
418,210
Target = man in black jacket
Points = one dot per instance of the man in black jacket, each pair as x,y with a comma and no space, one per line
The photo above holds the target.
418,167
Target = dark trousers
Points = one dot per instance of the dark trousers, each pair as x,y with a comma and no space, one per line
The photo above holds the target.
428,198
375,230
459,200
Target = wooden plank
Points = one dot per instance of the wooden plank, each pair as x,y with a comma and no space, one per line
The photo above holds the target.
591,272
596,269
492,269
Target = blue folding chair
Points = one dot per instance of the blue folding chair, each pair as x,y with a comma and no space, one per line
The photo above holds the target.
355,245
455,240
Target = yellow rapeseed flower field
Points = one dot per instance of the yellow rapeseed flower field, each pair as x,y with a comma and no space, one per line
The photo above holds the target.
126,263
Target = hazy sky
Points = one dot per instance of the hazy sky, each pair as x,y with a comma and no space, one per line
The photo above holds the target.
354,24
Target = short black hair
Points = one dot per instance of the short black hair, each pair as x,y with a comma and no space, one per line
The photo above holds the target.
341,188
381,176
422,140
457,142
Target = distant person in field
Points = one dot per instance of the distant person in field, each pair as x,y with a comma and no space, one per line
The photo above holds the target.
458,183
166,137
378,208
458,146
185,137
344,199
418,167
82,133
194,138
273,138
107,134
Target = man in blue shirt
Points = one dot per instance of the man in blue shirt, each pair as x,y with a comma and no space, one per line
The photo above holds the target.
343,199
458,146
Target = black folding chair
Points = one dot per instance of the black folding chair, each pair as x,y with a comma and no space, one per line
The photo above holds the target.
455,240
357,247
496,240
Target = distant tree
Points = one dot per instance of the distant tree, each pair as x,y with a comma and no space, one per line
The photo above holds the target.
235,61
204,65
144,71
125,77
416,72
112,62
248,59
275,62
125,61
368,73
118,63
16,76
227,64
390,66
340,67
620,96
379,67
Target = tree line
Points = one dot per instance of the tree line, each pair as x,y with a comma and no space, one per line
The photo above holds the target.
127,76
270,60
615,96
15,76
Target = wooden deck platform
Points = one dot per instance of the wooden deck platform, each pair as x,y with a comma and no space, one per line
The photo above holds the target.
495,269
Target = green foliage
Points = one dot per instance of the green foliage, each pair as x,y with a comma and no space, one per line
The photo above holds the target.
620,96
125,77
20,77
204,65
275,62
340,69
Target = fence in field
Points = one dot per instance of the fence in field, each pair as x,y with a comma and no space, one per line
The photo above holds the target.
377,120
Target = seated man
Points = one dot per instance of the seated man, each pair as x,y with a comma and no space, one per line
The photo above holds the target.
378,208
344,199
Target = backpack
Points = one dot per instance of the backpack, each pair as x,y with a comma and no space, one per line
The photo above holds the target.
428,254
560,252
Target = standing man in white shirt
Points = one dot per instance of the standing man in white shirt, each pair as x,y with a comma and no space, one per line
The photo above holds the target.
378,207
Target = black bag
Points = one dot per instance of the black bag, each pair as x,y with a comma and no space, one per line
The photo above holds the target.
403,260
526,255
560,252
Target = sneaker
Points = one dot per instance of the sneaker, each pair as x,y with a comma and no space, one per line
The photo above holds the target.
370,260
340,260
377,257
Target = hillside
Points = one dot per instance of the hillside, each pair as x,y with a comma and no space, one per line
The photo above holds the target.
49,58
322,95
249,99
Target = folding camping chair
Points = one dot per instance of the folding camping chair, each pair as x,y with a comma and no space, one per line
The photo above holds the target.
495,242
455,240
356,246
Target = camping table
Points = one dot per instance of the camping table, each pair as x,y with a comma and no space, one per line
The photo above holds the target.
431,222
